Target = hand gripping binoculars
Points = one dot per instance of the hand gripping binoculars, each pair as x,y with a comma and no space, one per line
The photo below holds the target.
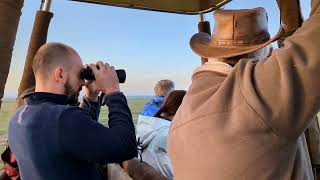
87,74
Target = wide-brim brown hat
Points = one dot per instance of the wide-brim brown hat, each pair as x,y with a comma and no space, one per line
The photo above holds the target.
236,32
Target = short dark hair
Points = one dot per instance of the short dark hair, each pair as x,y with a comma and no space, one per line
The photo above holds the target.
49,56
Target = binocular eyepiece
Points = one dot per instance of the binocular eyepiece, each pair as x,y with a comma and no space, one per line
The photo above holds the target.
87,74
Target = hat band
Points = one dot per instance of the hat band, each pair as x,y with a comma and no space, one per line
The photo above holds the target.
240,42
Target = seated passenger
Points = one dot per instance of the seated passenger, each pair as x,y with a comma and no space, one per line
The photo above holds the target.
152,134
161,89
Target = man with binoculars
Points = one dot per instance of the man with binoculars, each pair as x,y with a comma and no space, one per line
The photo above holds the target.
52,140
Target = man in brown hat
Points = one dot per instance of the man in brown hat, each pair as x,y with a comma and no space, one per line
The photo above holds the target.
244,119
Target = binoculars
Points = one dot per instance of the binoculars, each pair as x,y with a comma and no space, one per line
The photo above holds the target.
87,74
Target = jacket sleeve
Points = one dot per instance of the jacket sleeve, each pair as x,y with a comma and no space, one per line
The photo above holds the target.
93,108
85,139
284,89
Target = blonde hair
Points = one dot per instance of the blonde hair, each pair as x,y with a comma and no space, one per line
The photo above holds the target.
163,87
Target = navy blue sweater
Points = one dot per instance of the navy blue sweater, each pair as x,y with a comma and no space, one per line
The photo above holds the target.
54,141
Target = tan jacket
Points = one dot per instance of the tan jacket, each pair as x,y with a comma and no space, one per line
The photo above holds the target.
248,122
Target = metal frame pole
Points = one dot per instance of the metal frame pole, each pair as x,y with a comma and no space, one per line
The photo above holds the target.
201,16
203,26
46,5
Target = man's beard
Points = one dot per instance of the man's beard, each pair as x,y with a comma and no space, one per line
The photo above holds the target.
71,94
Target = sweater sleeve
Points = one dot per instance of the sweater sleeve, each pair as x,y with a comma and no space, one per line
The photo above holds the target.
85,139
93,108
284,89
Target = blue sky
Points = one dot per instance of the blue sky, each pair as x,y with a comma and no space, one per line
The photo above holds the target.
149,45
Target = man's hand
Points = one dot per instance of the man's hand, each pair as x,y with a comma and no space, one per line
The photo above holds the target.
141,170
106,78
90,93
125,165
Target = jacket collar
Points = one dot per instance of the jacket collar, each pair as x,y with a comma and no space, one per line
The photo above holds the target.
214,66
41,97
158,99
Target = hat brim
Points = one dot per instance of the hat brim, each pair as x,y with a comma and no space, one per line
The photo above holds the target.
200,44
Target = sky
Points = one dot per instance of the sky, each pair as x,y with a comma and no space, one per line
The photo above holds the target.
149,45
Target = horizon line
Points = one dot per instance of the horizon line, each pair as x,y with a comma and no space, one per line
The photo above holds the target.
128,96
